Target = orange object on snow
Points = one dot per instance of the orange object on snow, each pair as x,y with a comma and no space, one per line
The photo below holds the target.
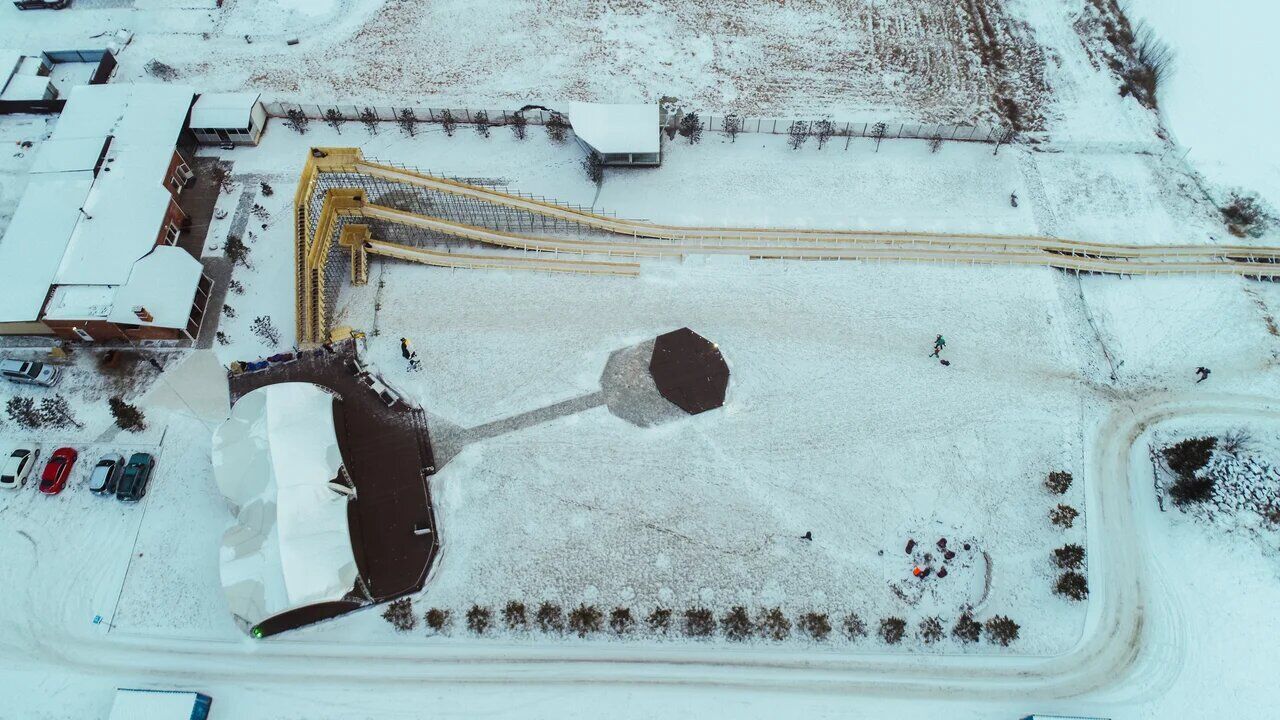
916,571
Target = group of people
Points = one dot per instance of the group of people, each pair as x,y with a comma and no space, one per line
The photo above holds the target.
939,343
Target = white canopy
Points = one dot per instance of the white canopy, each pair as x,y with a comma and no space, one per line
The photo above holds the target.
290,545
228,111
616,128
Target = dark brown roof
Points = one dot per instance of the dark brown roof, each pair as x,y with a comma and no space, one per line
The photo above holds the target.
689,371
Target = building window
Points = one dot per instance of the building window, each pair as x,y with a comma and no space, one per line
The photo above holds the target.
171,234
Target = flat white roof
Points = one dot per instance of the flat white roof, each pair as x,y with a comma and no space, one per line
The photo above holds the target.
224,110
9,62
80,302
126,208
68,155
164,282
616,128
26,87
152,705
36,239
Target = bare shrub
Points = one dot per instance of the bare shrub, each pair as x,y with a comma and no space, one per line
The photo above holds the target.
297,121
519,125
892,630
797,134
556,127
736,624
1073,585
1058,482
334,119
815,625
620,621
699,622
585,619
1246,216
513,615
479,619
935,143
854,627
822,132
550,618
1069,556
774,625
659,620
931,630
1063,516
438,619
236,251
448,123
160,70
407,121
265,330
878,132
400,614
481,119
1152,64
966,629
1236,443
731,126
593,166
1002,630
370,120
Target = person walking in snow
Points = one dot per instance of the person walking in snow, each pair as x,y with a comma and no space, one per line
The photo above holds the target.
1203,372
938,344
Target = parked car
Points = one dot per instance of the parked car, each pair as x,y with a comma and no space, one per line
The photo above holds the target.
106,474
133,481
41,4
18,466
30,372
57,470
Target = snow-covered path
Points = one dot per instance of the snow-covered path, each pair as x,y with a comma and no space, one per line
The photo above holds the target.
1132,648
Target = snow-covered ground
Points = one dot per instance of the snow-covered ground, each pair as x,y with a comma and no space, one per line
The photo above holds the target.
1215,100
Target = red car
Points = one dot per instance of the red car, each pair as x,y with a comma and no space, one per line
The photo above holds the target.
55,474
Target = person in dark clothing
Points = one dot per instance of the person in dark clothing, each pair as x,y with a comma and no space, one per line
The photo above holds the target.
404,348
808,535
938,343
1203,372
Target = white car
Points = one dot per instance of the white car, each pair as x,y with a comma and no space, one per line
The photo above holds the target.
18,466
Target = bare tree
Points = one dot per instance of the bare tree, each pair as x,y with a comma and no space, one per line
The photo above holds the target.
822,131
1004,136
691,127
447,122
557,127
407,121
56,412
797,134
481,119
334,119
265,330
236,251
296,121
519,123
935,142
878,132
731,125
370,120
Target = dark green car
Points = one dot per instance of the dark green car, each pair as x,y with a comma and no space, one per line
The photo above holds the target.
134,479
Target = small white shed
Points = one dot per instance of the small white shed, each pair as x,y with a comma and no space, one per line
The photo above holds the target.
621,134
220,118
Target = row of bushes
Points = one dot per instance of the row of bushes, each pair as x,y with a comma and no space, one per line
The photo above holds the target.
736,624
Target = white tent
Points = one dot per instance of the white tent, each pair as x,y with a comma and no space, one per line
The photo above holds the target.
290,545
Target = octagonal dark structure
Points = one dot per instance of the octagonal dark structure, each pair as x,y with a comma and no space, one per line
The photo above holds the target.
689,371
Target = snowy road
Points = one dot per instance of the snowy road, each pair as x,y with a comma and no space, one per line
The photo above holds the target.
1132,646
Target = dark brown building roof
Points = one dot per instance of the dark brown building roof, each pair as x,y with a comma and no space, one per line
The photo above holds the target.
689,371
